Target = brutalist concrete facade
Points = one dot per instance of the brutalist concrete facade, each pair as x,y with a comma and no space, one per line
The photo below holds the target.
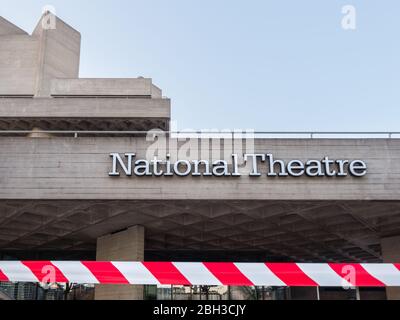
57,200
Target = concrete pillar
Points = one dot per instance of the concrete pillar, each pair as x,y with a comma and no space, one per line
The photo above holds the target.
126,245
390,248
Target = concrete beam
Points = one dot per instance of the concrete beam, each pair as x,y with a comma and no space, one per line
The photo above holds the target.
18,64
84,108
104,87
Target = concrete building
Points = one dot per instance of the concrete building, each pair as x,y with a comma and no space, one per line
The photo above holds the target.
58,200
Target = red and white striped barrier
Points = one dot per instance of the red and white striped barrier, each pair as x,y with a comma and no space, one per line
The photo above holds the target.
204,273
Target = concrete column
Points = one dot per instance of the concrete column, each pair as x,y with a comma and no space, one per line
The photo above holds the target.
126,245
390,248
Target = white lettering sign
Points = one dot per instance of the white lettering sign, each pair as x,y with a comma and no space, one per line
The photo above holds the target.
259,164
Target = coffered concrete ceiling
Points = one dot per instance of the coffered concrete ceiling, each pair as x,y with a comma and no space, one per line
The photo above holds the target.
294,230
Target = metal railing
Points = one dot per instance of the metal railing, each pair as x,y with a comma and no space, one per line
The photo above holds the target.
221,134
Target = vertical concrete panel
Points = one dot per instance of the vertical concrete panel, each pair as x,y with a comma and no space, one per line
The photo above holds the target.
391,253
58,56
18,64
126,245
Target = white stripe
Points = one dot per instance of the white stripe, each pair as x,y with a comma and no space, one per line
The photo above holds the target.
135,272
197,273
259,274
17,271
385,272
75,271
323,275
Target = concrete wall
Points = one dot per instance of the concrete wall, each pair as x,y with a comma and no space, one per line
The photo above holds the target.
18,64
18,56
68,168
84,108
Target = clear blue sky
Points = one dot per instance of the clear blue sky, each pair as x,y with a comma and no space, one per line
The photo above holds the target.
267,65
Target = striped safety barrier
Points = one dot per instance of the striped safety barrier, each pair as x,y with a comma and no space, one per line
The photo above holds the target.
203,273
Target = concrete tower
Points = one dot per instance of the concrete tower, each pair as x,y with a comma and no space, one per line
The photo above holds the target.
45,66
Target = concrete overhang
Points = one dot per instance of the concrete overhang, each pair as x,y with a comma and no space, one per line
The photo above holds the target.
313,231
88,113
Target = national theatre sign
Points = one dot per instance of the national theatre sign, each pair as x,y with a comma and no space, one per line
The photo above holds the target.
259,163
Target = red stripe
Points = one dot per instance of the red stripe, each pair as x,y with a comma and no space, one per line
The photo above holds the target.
3,277
291,274
397,265
166,273
105,272
45,271
228,273
355,274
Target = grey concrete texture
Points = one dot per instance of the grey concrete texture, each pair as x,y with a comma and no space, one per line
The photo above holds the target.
105,87
19,108
28,63
68,168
